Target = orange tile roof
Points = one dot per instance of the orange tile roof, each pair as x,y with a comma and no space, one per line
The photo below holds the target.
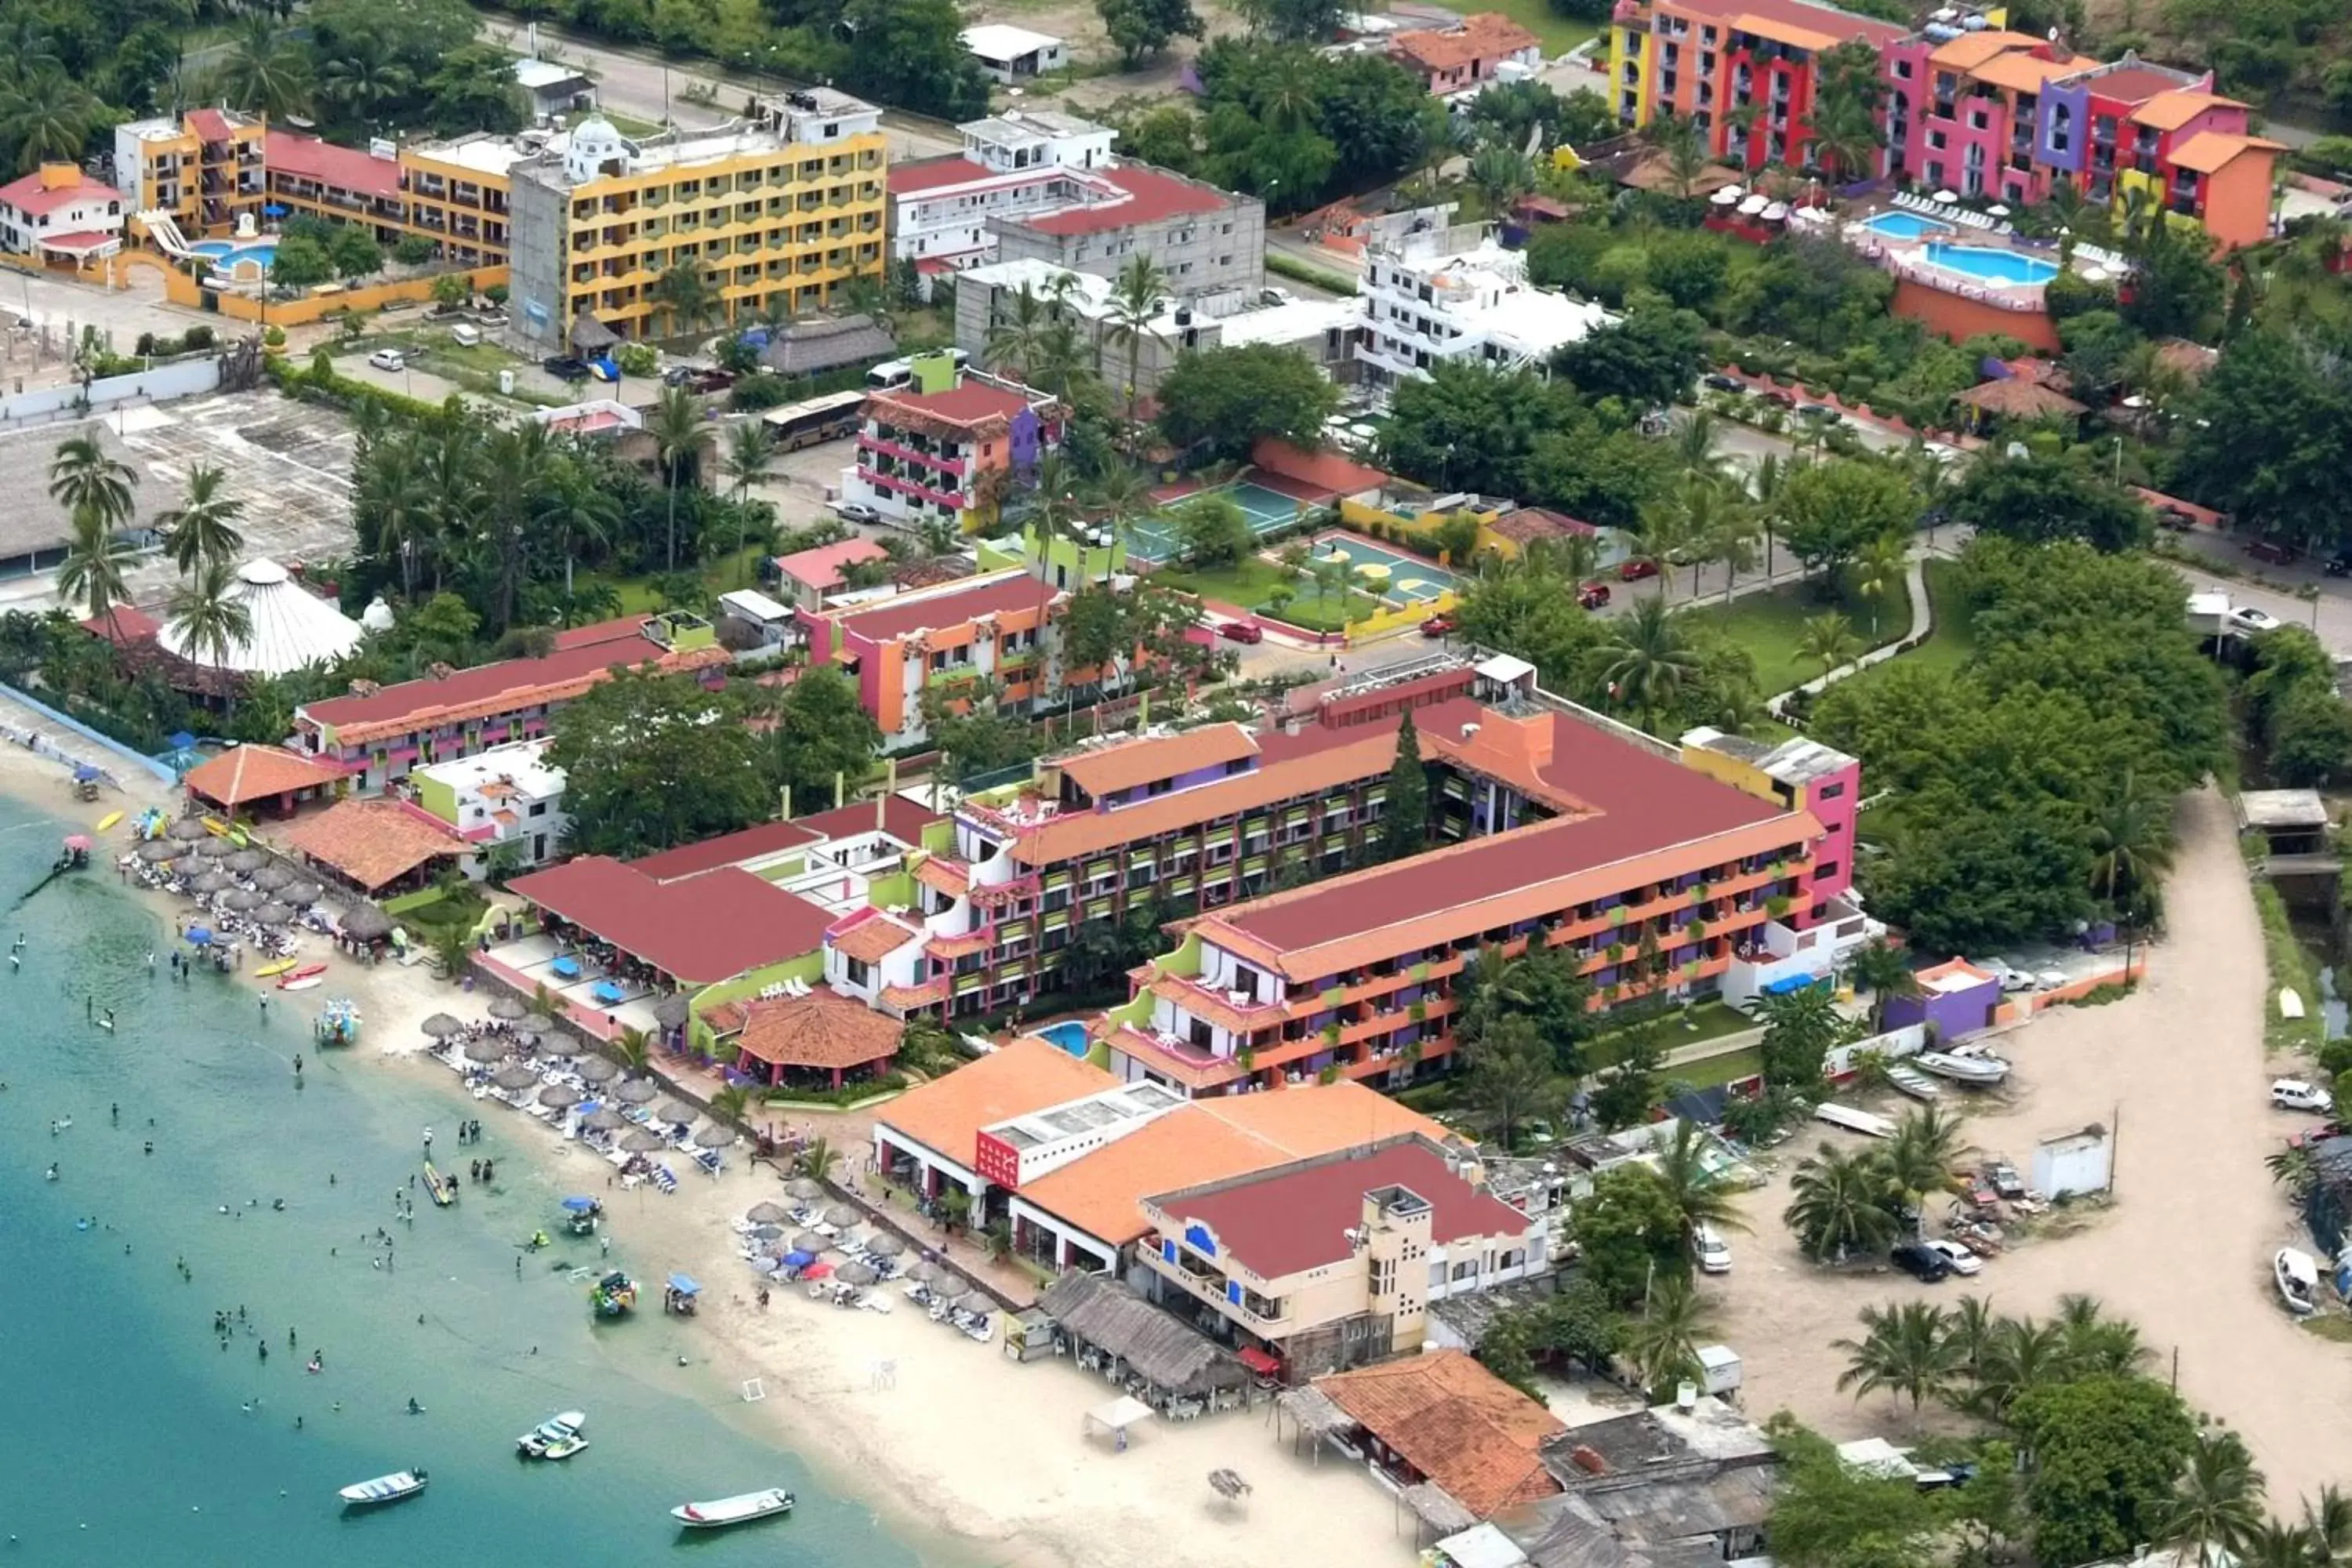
1147,759
255,773
2210,150
871,941
947,1113
373,842
2020,71
2171,110
1467,1430
943,874
819,1030
1318,1118
1785,32
1489,36
1971,50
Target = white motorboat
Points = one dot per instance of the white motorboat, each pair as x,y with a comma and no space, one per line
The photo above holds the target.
397,1487
733,1509
1915,1084
557,1437
1979,1071
2298,1280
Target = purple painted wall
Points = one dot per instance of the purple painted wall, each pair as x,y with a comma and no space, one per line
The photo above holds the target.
1951,1014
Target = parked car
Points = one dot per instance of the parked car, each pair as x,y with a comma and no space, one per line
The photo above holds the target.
1713,1252
1958,1255
1921,1261
1636,570
2271,551
1722,382
2005,1180
1593,595
2012,978
1783,399
563,367
709,380
2245,618
1818,413
2295,1094
465,336
1241,631
1437,626
2339,564
388,359
856,512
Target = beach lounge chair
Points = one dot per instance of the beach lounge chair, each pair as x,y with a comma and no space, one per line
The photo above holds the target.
664,1180
710,1161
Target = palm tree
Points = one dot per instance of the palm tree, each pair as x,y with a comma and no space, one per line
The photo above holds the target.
1696,439
1838,1204
1882,969
2276,1545
2131,839
1012,338
1661,534
1647,661
203,527
44,114
818,1157
1685,149
687,296
1919,1159
633,1047
1877,573
82,477
676,429
729,1104
90,574
1136,297
1706,512
579,512
2020,1356
2329,1521
2216,1505
263,70
1829,640
1682,1175
1969,1331
1663,1343
747,459
1905,1351
1124,494
212,621
1500,175
363,77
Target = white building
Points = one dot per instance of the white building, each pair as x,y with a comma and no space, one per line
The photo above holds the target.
1009,54
1012,165
508,794
58,212
291,627
554,89
1435,291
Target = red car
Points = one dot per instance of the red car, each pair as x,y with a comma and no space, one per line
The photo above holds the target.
1593,595
2271,551
1634,571
1242,631
1437,626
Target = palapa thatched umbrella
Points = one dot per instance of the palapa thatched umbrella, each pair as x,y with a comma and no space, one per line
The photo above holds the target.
766,1213
841,1216
216,848
596,1069
644,1141
245,862
559,1095
713,1136
524,1040
805,1188
187,830
675,1110
205,882
242,899
514,1077
809,1241
856,1274
485,1052
950,1285
440,1025
507,1007
670,1012
155,851
274,914
924,1272
603,1119
767,1233
363,922
886,1245
272,876
302,892
636,1091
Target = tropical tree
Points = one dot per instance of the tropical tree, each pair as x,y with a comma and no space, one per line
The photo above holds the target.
688,298
2131,840
1905,1350
1885,971
1838,1204
203,529
83,477
1919,1159
676,429
1648,663
2020,1356
211,620
2216,1505
1014,336
817,1159
1829,640
748,457
1969,1329
634,1046
91,573
728,1105
1878,572
1694,443
44,114
1500,175
363,76
1698,1196
1136,297
1663,1343
264,70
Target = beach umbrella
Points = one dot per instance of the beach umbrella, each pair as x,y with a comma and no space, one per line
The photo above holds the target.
507,1007
603,1119
552,1044
245,862
561,1096
712,1135
841,1216
208,882
766,1213
274,914
1944,197
187,830
216,848
642,1142
674,1111
886,1245
636,1091
242,899
540,1020
924,1272
361,922
524,1040
796,1257
487,1053
515,1078
767,1232
1996,210
810,1242
200,936
441,1025
596,1069
155,851
804,1187
856,1274
670,1012
272,876
950,1285
302,892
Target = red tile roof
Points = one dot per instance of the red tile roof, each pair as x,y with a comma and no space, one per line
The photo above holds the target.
1152,194
968,404
255,773
872,939
1799,14
343,168
901,819
700,929
728,849
2132,84
956,607
373,842
1489,35
946,1114
1477,1437
931,173
1296,1217
210,125
821,568
29,195
123,626
819,1030
1147,758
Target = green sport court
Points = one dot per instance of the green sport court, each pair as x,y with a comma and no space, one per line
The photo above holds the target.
1269,511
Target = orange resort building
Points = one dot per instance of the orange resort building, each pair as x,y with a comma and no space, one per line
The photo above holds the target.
58,214
1965,105
1720,866
380,734
947,447
951,639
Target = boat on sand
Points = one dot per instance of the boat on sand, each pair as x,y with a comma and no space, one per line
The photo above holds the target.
1977,1070
2298,1280
733,1509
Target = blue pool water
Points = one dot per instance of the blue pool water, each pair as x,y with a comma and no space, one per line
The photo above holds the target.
1905,225
1069,1034
1991,266
228,252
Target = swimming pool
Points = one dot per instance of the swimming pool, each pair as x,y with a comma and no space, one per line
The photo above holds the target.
1069,1034
1905,225
1991,266
227,253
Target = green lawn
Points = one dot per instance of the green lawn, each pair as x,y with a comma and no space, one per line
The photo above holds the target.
720,575
1560,33
1711,1071
1953,642
1251,582
1770,624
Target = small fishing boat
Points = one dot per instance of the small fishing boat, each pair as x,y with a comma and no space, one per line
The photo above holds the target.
733,1509
444,1190
397,1487
108,820
1979,1071
304,978
276,966
2298,1280
1910,1081
612,1295
557,1437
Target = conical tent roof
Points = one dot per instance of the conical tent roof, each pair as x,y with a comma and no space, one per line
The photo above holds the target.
292,628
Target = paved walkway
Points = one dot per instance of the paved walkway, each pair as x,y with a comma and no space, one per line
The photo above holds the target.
1923,625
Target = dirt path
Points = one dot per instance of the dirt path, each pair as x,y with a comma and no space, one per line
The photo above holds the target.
2185,1252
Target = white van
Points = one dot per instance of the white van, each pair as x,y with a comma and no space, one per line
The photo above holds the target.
1714,1253
465,334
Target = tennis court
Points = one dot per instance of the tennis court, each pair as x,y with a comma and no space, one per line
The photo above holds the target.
1409,579
1269,511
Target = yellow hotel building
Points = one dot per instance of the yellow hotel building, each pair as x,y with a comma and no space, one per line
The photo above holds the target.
780,210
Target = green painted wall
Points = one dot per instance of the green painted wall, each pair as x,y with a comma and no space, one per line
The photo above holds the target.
1089,563
436,795
895,889
809,966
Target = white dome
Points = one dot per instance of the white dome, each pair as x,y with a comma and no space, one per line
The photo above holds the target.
377,617
292,626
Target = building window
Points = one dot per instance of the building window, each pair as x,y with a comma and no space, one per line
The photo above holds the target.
1832,791
1825,870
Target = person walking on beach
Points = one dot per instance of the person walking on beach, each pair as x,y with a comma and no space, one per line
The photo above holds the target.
428,1152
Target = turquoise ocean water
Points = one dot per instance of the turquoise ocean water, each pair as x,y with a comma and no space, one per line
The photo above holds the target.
127,1435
